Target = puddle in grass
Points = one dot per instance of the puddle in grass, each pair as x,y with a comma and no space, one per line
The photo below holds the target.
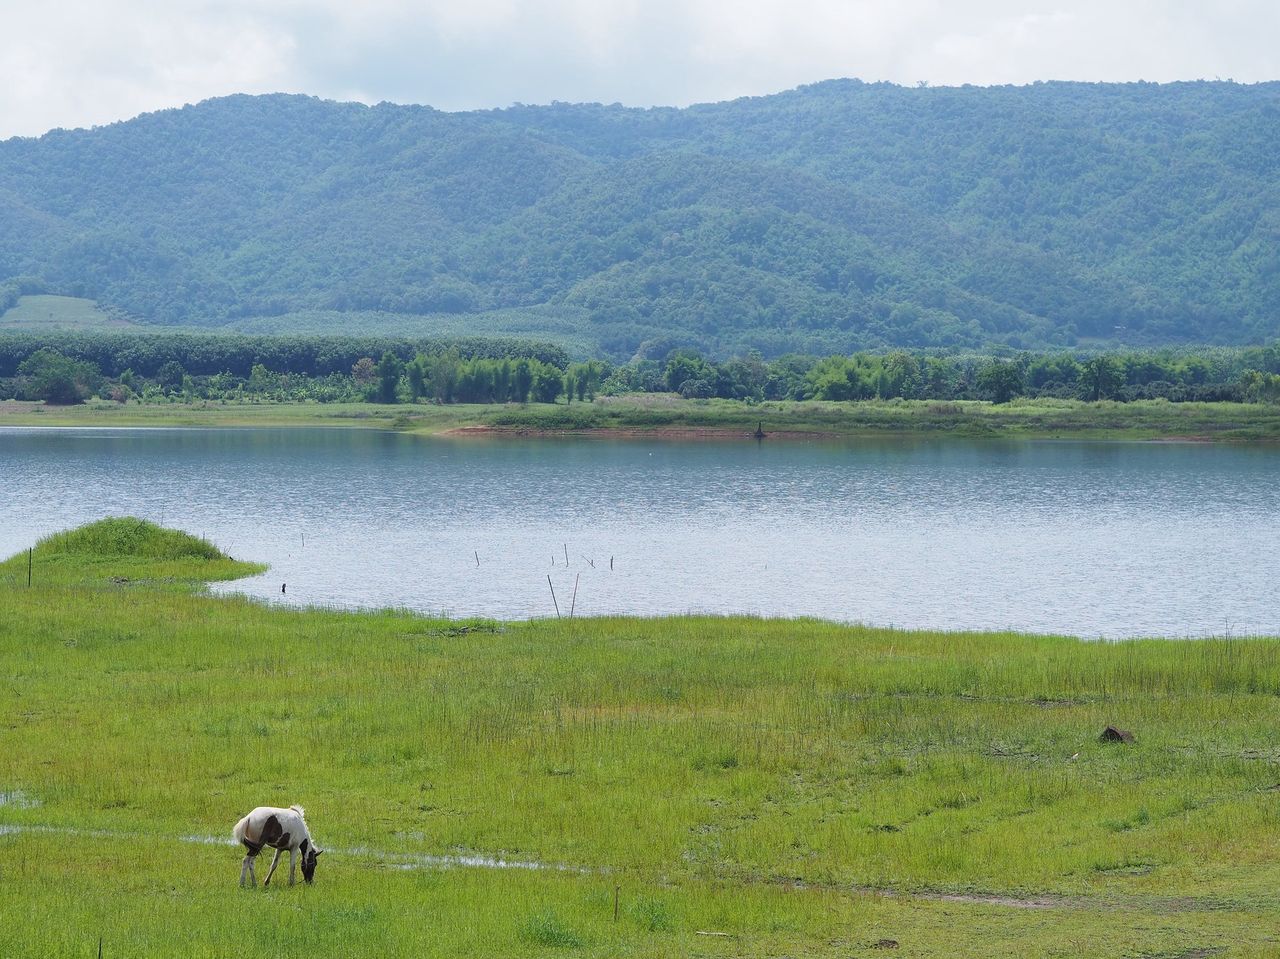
409,861
17,799
393,860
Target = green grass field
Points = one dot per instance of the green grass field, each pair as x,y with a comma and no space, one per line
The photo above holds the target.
744,786
565,326
60,313
660,415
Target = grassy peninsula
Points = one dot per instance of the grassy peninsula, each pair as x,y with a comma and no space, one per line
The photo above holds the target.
737,786
667,415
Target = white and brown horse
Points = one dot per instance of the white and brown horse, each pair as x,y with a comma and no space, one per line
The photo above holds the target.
280,829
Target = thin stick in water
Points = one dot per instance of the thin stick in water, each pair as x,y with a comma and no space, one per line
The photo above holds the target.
477,557
566,554
574,602
553,596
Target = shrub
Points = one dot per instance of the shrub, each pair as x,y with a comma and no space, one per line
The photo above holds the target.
59,380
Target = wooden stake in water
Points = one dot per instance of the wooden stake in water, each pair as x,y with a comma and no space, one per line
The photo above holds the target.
574,602
553,596
566,554
611,564
477,557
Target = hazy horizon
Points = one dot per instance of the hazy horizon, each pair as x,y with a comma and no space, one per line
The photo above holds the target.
76,63
633,106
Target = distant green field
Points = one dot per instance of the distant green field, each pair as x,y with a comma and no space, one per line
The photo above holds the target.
743,787
569,327
61,313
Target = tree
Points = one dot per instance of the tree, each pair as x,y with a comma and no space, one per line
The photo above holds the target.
58,380
261,380
416,373
840,378
169,377
687,365
502,382
547,383
1000,381
442,374
390,369
901,376
1101,378
744,377
697,390
364,371
1261,387
522,382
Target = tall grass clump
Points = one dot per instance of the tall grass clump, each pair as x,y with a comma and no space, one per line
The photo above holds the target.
119,550
545,928
129,536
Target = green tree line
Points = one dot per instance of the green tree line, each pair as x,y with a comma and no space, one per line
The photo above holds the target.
207,354
446,374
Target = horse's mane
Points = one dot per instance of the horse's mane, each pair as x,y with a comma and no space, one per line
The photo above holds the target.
300,811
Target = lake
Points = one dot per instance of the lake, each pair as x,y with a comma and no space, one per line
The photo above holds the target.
1092,539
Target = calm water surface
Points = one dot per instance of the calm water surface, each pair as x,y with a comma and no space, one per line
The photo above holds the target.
1095,539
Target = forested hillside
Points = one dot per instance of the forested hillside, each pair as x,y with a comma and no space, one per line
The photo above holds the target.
837,216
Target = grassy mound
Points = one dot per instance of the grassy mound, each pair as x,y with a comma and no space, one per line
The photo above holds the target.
129,536
120,550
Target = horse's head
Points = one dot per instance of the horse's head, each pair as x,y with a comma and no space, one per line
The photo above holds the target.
309,856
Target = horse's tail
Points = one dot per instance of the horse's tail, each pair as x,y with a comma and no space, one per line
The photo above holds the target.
238,832
302,813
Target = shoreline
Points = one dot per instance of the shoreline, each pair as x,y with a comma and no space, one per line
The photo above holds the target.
691,433
712,433
655,416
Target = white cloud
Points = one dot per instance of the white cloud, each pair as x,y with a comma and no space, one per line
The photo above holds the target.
81,62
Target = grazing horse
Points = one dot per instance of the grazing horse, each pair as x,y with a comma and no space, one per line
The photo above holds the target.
280,829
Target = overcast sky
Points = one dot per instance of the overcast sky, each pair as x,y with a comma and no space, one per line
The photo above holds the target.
83,62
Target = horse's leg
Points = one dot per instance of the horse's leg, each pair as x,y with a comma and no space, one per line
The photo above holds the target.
274,860
292,856
244,868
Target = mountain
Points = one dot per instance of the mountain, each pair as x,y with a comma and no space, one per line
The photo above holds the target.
835,216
